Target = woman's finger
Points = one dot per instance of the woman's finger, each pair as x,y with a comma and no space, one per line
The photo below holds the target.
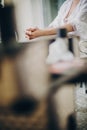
26,36
32,29
28,33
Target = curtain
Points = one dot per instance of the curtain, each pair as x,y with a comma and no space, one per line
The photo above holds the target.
29,13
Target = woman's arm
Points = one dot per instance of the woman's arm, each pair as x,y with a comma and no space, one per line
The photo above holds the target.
33,33
40,32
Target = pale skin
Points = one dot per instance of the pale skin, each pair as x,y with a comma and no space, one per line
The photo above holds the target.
32,33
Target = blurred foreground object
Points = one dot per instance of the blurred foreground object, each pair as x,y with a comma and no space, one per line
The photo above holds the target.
27,99
24,85
8,25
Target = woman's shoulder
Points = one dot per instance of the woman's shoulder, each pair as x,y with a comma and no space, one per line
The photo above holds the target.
84,5
83,2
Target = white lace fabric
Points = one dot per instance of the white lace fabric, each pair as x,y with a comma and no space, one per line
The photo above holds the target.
58,51
78,19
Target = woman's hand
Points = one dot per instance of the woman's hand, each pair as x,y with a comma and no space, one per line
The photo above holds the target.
32,33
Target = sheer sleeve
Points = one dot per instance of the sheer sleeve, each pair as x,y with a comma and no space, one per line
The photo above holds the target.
56,22
80,22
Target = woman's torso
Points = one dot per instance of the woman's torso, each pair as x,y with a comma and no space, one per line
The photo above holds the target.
67,17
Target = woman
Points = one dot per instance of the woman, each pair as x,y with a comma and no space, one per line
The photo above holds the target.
72,16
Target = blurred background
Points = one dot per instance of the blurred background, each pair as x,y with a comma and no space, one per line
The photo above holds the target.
38,13
31,13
